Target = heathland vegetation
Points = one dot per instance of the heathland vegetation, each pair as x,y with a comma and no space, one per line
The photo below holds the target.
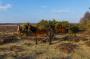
47,39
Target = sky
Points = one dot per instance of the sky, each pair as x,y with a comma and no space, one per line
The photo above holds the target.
16,11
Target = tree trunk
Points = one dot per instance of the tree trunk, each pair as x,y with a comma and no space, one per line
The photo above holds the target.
36,39
51,37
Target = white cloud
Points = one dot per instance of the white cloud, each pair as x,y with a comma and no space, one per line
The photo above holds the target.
5,6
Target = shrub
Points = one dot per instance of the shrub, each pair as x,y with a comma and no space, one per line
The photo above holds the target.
8,39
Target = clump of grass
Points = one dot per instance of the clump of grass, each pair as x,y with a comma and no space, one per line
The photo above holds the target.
8,39
67,47
2,56
81,54
84,39
72,38
16,48
87,43
27,43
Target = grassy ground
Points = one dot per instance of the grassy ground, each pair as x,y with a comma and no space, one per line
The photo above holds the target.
26,49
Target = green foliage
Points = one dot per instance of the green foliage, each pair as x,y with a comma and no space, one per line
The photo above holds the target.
42,24
74,29
52,24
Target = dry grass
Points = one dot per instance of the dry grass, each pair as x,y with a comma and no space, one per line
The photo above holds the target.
21,50
68,47
26,49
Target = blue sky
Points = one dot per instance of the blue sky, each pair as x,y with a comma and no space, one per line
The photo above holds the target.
35,10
